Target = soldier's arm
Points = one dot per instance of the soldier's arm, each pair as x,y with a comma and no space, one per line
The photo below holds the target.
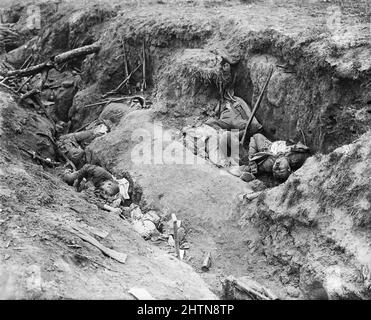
109,208
253,148
83,135
81,174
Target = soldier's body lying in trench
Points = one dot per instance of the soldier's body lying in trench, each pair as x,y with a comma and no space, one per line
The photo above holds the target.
108,194
106,185
258,155
73,144
265,157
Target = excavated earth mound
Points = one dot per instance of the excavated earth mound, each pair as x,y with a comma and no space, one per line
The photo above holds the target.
316,226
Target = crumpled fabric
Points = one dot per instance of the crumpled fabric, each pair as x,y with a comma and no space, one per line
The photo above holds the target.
101,129
279,147
124,188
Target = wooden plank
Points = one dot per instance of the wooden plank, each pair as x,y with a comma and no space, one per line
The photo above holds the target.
118,256
99,233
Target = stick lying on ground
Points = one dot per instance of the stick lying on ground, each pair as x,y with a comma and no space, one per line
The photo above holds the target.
109,101
53,62
118,256
122,84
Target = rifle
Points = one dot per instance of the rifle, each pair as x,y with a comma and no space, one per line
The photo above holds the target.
256,106
43,161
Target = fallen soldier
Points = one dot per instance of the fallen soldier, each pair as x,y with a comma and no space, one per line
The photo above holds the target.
266,157
73,144
234,114
106,185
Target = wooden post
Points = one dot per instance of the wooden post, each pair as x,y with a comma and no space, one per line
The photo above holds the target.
126,69
207,262
176,240
144,83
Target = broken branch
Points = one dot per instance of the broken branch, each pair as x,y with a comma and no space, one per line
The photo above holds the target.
63,57
31,70
75,53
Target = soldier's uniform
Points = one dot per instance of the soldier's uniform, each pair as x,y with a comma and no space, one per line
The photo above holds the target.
234,116
73,144
95,174
263,154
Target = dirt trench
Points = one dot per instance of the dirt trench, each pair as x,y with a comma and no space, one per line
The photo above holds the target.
319,95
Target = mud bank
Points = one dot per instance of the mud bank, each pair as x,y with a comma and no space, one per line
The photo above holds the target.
40,257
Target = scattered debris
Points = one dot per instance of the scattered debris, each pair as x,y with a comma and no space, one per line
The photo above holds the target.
207,262
245,289
141,294
145,228
181,254
250,196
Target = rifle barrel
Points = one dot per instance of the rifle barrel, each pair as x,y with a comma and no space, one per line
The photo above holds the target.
256,106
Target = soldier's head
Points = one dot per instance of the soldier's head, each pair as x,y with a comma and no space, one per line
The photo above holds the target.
110,188
136,103
281,168
60,127
225,74
226,67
